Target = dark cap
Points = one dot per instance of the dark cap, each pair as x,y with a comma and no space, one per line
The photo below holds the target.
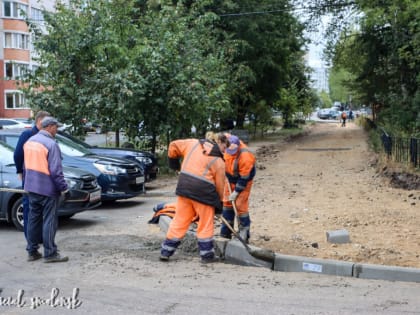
48,121
234,145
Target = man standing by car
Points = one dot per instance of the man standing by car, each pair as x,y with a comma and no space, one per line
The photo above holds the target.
19,161
44,181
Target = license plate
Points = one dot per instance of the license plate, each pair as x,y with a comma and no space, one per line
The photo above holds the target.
94,196
139,180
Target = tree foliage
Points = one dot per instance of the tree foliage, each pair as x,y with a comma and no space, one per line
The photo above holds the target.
378,43
165,64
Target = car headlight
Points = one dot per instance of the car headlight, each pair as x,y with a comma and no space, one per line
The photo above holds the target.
71,183
144,159
110,169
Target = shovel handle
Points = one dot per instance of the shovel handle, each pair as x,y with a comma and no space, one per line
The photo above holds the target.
233,201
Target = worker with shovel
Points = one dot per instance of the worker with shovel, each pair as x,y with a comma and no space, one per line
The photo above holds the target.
240,171
200,191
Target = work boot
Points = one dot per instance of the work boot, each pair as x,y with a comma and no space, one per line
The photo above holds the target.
164,258
244,227
210,260
55,258
244,234
34,256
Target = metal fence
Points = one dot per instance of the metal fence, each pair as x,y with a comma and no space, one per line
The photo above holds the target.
402,150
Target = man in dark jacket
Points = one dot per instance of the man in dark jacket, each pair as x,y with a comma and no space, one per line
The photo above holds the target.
19,161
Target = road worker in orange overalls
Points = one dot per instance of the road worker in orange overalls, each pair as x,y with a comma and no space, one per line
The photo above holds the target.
199,190
240,172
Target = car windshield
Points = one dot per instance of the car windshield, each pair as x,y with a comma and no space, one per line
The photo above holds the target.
74,139
71,148
6,154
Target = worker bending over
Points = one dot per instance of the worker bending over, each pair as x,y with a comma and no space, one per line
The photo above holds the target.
199,190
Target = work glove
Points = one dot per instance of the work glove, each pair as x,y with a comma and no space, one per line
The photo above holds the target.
233,196
65,195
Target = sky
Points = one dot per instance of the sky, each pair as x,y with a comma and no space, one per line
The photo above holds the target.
315,56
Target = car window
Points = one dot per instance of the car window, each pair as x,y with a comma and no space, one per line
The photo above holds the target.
6,154
71,148
7,122
10,140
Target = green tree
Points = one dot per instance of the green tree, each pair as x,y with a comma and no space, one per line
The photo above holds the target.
127,63
325,99
184,70
84,62
339,79
264,41
381,54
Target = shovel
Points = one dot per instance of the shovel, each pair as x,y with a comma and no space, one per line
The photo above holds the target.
263,254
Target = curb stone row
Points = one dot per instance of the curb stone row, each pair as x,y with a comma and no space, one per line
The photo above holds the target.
234,252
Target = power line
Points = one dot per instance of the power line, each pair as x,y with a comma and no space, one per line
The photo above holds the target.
254,13
289,9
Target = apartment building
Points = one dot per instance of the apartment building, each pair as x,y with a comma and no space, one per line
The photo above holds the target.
16,52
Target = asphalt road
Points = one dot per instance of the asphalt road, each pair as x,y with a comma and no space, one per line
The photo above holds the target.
114,268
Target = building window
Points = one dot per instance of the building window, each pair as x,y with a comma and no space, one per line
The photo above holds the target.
16,70
16,40
15,99
14,10
36,15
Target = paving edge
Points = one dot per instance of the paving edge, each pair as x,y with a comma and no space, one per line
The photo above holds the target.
234,252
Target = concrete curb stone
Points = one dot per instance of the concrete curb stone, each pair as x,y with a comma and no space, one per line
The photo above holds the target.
234,252
391,273
304,264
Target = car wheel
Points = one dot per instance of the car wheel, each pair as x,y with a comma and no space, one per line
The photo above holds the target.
17,214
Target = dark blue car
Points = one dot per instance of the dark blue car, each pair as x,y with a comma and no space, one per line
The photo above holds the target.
85,193
118,178
146,160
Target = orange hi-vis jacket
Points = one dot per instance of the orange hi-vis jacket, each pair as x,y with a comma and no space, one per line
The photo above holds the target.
202,175
240,167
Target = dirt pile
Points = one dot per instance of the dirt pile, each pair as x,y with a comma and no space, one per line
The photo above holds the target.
328,180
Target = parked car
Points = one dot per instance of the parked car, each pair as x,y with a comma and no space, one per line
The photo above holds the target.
29,121
365,111
328,113
119,178
9,123
146,160
85,193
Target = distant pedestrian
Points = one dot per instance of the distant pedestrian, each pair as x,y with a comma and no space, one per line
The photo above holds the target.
343,119
19,163
351,117
44,181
